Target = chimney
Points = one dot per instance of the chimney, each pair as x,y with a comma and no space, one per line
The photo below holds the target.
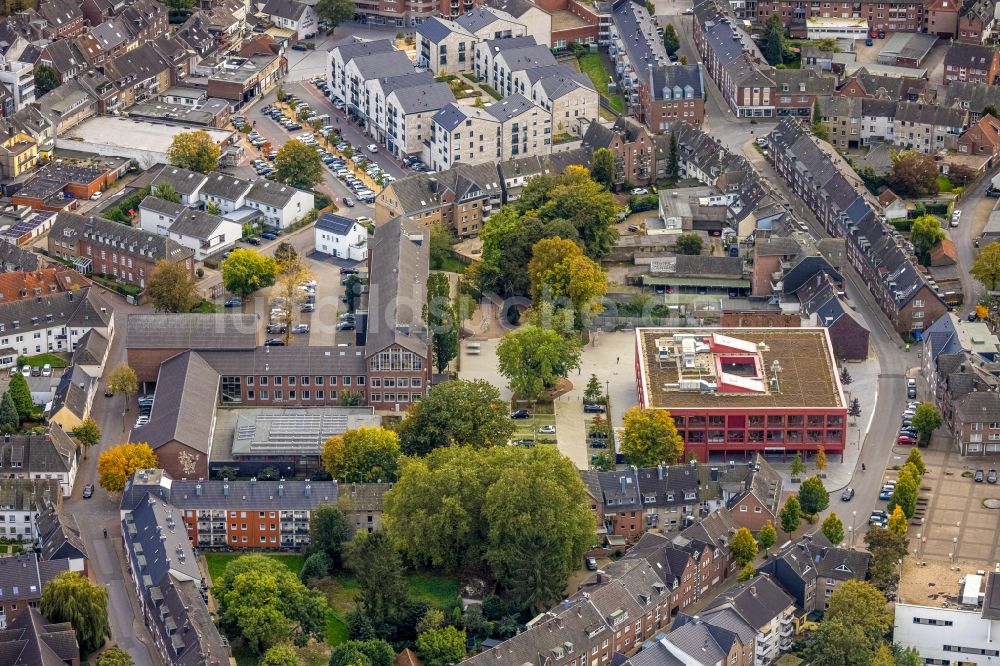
309,489
659,472
600,577
432,185
225,489
197,490
281,490
652,95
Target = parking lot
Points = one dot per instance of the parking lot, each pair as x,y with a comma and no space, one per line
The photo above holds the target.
956,522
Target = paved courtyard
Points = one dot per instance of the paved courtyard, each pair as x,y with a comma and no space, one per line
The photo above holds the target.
955,523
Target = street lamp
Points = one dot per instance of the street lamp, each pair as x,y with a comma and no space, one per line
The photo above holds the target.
854,520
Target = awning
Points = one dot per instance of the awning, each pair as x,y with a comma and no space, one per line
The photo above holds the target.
735,283
280,33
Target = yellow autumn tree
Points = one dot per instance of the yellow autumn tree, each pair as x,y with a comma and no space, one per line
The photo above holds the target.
116,465
560,273
650,437
897,521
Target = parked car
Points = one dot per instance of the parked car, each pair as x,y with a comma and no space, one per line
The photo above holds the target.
547,430
88,491
348,271
593,409
591,564
96,195
847,495
885,493
274,342
906,440
597,444
25,370
520,414
47,370
307,307
911,392
761,141
372,148
956,217
345,326
991,476
978,478
276,329
300,328
349,202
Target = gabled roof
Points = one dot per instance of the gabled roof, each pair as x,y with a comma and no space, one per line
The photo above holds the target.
69,226
970,56
31,640
72,392
511,107
286,9
382,65
423,98
191,331
481,17
356,47
225,187
197,224
184,181
109,35
758,601
59,535
527,57
335,224
400,263
436,29
92,349
272,193
930,114
186,416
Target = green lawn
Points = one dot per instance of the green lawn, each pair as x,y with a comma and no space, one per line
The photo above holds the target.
542,413
449,265
944,185
592,65
39,360
217,562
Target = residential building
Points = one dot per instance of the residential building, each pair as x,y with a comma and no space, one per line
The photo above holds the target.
566,94
863,83
488,22
497,60
632,146
761,605
512,127
293,15
972,97
32,640
878,119
22,577
22,500
572,24
927,127
14,258
898,16
227,192
408,113
18,153
783,264
843,119
444,46
976,22
140,75
738,403
65,18
397,350
186,183
971,63
461,197
941,17
362,504
343,53
341,237
167,582
97,245
50,456
64,56
281,205
68,105
842,204
952,623
19,79
982,138
58,538
821,303
242,80
203,233
811,568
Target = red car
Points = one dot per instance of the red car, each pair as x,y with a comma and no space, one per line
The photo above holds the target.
906,439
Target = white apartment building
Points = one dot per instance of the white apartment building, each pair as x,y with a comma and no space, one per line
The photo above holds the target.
513,127
19,79
444,47
408,113
497,60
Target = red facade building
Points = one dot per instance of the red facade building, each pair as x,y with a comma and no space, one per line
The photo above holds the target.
737,392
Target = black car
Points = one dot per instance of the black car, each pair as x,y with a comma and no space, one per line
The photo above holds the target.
348,271
911,392
274,342
993,192
345,326
275,329
254,240
593,409
88,491
847,495
991,476
299,47
349,202
591,564
597,444
520,414
233,303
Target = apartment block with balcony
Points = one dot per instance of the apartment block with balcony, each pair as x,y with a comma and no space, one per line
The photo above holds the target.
499,60
19,79
510,128
890,16
444,47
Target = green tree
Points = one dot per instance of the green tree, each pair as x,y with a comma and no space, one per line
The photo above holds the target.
926,419
374,652
167,192
906,491
70,597
594,392
883,656
366,455
46,79
172,287
986,267
432,619
460,411
990,110
767,537
21,395
459,506
245,271
798,469
328,531
603,462
773,40
123,380
602,167
180,4
88,434
837,644
650,438
116,465
334,12
857,603
817,116
298,165
671,40
924,234
266,604
917,461
114,656
439,313
689,243
813,496
743,546
833,529
897,521
913,174
820,458
286,255
441,647
441,241
573,196
534,359
560,274
791,515
9,421
281,655
382,594
317,565
194,150
213,208
747,572
673,157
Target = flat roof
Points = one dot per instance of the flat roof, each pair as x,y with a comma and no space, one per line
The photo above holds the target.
746,368
130,133
288,431
937,582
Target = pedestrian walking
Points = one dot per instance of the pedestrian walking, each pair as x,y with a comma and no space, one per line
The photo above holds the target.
105,532
618,360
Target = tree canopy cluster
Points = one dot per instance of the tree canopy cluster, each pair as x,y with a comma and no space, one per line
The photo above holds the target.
650,438
460,411
853,629
522,511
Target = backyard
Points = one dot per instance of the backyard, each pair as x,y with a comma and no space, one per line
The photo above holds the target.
341,589
592,65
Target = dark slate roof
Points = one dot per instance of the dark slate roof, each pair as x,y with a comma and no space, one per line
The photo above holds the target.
191,331
637,30
184,181
110,34
92,349
424,97
196,223
509,43
19,578
137,65
978,406
68,226
60,12
510,107
52,452
355,47
653,654
286,9
976,56
59,536
225,187
186,416
451,116
758,601
930,114
991,600
436,29
382,65
31,640
337,224
287,495
408,80
942,336
296,360
516,8
479,18
16,258
71,393
400,264
705,265
81,308
64,55
528,57
683,79
271,193
971,96
162,206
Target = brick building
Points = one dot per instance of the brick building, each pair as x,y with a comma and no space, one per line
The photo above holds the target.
736,393
892,16
243,79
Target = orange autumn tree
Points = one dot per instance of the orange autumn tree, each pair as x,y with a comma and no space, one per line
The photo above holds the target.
116,465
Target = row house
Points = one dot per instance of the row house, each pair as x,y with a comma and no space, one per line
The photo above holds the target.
971,63
140,75
444,46
22,501
146,19
634,148
201,232
22,578
374,108
537,20
298,17
658,93
841,203
565,93
497,60
928,128
865,84
98,245
976,22
971,97
882,15
65,18
510,128
167,582
811,568
53,456
982,138
941,18
408,113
